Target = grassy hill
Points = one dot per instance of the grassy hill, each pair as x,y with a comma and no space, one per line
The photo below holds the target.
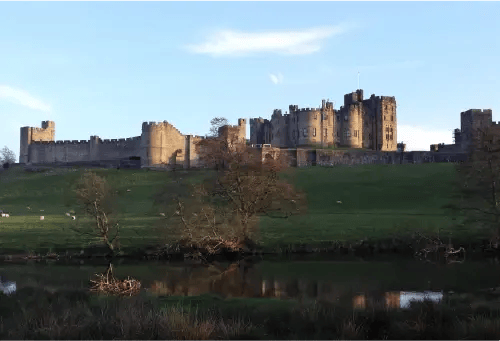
378,201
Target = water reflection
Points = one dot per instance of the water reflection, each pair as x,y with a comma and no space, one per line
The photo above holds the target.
7,287
395,299
354,283
240,280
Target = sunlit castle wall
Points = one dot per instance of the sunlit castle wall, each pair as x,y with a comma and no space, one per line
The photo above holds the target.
163,144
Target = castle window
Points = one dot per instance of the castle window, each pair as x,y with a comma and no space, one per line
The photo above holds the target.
345,118
314,131
384,117
338,117
316,116
392,118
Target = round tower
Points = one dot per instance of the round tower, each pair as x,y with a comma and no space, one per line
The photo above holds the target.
354,126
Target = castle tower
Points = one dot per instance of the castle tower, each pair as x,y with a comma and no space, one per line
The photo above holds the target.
387,128
31,134
471,121
257,130
242,125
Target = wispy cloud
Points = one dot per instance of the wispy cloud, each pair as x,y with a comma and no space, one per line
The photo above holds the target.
420,138
23,98
276,78
238,43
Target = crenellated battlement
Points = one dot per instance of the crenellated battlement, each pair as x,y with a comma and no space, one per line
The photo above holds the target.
148,126
359,123
128,139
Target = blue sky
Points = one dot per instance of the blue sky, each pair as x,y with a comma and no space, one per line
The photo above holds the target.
99,68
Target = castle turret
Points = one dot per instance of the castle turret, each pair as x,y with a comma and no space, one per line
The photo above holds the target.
242,125
30,134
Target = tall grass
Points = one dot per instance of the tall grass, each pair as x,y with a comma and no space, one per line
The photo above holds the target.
74,315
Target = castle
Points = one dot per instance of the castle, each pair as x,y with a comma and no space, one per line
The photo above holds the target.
369,124
471,121
159,144
359,123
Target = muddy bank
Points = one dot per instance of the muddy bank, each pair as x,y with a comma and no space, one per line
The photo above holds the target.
408,247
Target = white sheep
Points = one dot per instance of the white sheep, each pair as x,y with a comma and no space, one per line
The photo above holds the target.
339,202
162,214
73,217
6,215
42,217
67,214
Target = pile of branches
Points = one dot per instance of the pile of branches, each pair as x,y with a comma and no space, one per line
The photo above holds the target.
107,284
436,246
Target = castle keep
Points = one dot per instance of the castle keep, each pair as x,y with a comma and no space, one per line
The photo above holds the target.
360,123
159,144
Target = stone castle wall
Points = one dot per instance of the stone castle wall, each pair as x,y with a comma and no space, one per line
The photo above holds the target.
159,144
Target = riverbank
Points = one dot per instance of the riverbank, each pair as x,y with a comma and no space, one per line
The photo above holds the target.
366,209
37,314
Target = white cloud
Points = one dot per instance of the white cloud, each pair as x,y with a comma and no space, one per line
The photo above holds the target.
23,98
276,78
235,43
420,138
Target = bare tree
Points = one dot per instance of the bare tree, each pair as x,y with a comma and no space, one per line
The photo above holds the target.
477,192
215,124
95,196
7,156
224,210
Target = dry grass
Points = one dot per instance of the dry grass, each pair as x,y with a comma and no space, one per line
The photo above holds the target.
131,318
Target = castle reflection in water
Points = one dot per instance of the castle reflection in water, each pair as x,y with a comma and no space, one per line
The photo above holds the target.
241,281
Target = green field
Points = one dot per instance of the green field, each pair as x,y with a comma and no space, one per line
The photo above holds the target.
378,202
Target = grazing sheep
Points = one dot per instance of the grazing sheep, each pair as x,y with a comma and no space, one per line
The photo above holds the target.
339,202
128,190
6,215
42,217
162,214
73,217
67,214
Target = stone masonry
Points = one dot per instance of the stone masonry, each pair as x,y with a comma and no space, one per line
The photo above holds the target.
369,124
471,121
159,144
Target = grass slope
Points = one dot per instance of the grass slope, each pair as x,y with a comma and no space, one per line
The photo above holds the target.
378,201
